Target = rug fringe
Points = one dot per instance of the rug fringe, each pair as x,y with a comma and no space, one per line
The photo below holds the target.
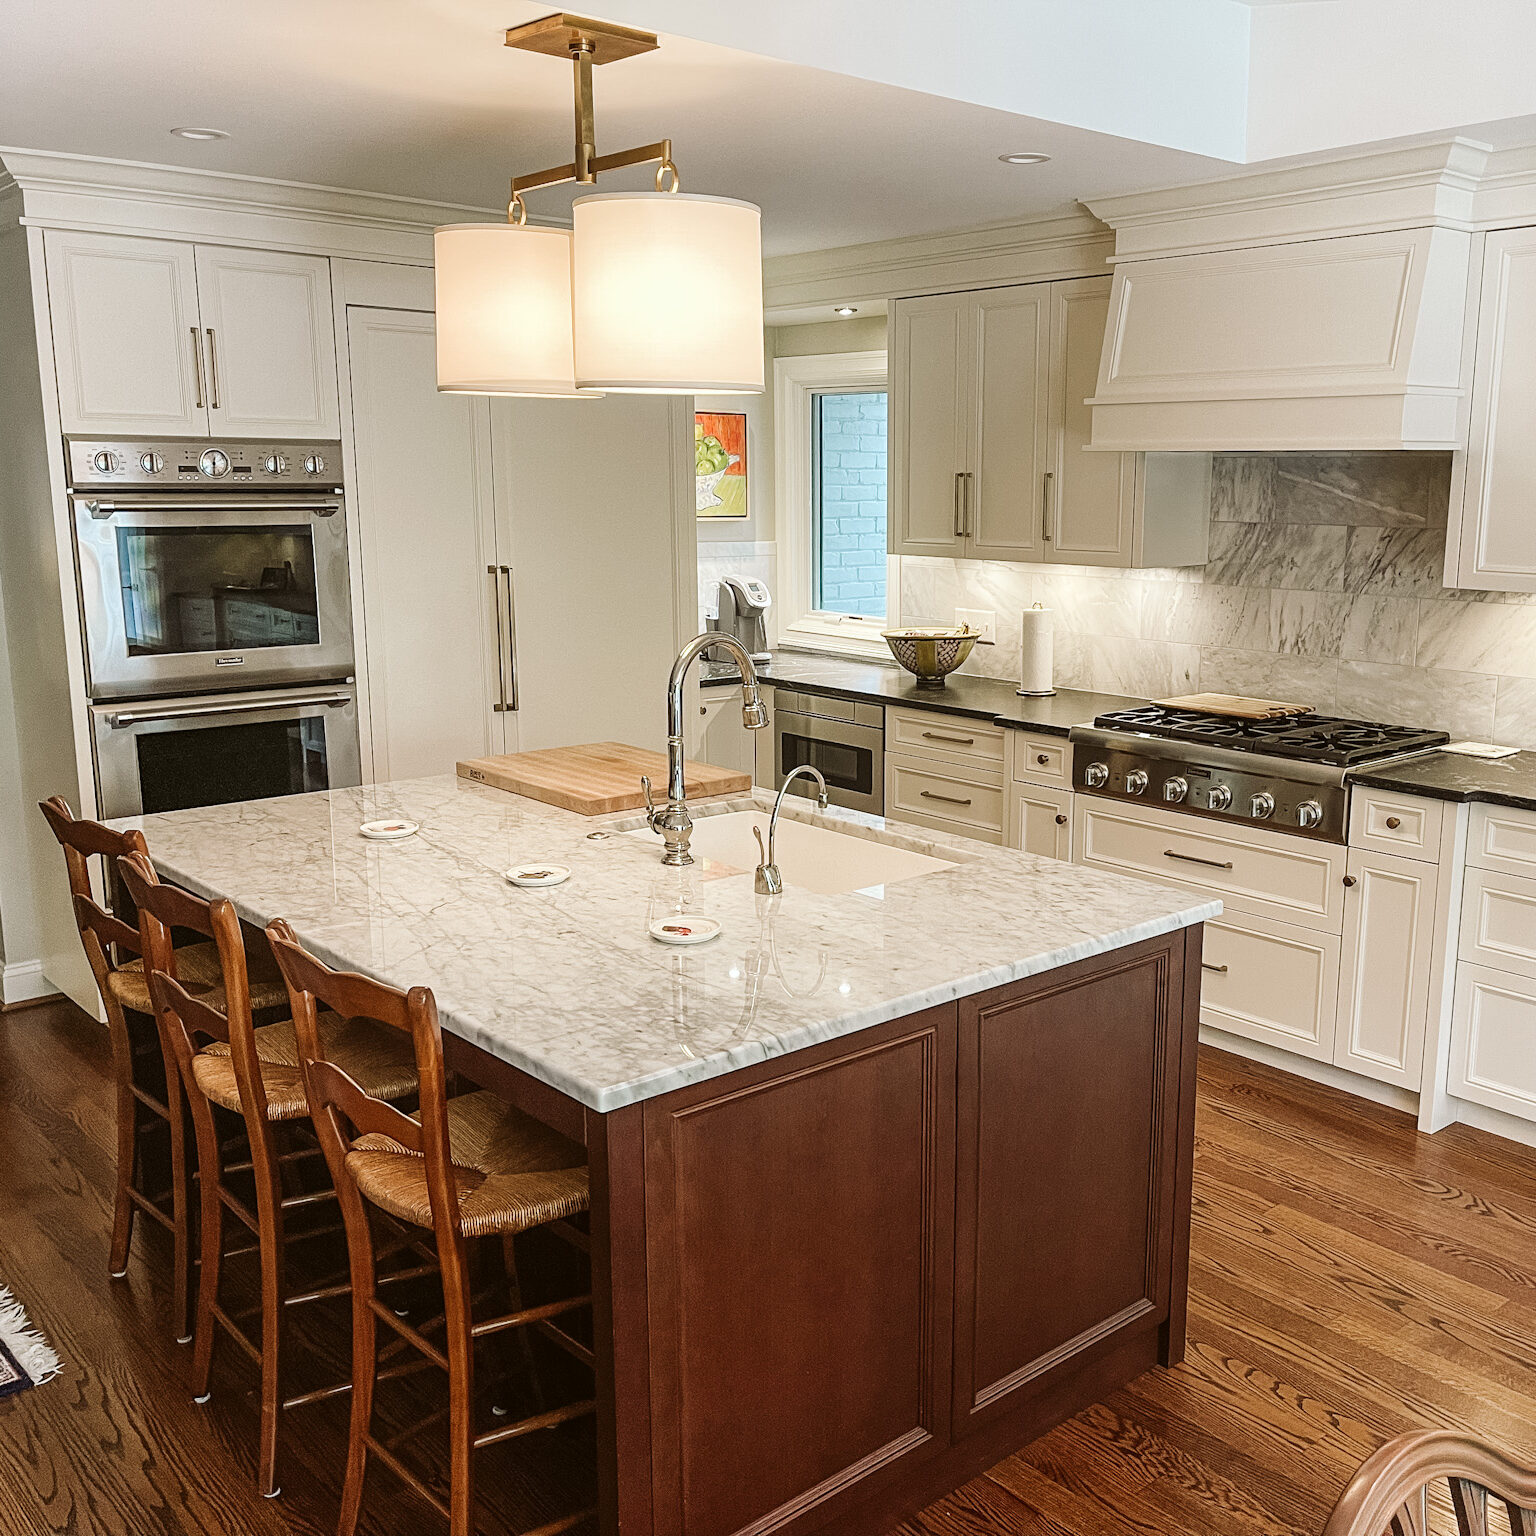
32,1351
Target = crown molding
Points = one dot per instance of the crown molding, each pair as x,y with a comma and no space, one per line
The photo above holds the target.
802,287
131,197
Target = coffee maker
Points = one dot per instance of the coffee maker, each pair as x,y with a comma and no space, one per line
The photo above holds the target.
744,603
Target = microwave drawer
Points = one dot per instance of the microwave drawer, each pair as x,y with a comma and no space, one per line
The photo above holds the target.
1289,879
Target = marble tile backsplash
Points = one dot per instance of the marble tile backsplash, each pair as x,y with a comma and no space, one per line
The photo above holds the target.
752,560
1323,586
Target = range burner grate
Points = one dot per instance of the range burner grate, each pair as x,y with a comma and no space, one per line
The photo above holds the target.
1306,738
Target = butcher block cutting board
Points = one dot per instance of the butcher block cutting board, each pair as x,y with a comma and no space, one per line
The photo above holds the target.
599,778
1236,705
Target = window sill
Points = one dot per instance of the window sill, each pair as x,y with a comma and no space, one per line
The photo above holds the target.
835,639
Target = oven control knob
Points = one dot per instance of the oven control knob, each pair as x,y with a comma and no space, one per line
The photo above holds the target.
213,462
1308,813
151,463
1175,789
1136,780
1261,805
275,463
105,461
1220,797
314,464
1095,775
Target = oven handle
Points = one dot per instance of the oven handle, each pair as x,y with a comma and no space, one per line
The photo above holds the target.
120,718
99,508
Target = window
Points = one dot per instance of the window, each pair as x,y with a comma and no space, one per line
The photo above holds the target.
848,502
834,574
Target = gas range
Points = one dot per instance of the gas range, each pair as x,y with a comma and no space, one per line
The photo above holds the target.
1289,773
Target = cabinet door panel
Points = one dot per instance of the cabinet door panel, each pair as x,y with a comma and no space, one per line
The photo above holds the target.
272,354
1493,1040
1040,820
929,411
1010,362
1094,493
125,334
421,507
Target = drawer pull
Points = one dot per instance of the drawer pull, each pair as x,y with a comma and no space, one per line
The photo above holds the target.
1393,823
1042,757
1191,858
1205,965
959,741
928,794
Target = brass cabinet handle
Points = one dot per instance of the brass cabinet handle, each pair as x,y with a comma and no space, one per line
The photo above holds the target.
1349,879
1191,858
1393,823
1047,486
960,741
1061,821
1205,965
213,371
928,794
197,366
959,510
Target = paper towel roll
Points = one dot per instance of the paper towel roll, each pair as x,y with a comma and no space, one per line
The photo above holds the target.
1036,651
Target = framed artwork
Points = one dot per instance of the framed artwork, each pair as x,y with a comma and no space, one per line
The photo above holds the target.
720,463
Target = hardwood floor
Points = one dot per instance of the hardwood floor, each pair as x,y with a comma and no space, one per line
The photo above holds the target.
1350,1279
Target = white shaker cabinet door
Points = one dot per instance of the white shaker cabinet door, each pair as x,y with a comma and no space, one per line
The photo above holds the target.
269,343
126,341
930,420
1040,820
423,523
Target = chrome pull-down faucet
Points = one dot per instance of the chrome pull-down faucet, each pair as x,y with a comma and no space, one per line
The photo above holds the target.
672,820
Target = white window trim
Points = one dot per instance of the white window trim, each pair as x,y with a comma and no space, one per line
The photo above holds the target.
795,380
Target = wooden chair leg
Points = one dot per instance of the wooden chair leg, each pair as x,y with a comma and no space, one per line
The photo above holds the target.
459,1346
127,1161
183,1263
365,1370
211,1229
516,1339
269,1215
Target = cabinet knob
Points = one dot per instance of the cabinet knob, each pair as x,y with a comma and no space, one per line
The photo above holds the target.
1393,823
1042,757
1349,879
1061,821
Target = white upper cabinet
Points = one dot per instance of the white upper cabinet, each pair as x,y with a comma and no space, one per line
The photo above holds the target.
989,438
1491,542
271,352
160,337
126,340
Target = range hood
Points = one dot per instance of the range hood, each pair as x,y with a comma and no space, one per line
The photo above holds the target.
1316,309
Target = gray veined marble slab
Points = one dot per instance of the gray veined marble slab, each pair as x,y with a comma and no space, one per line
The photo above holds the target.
566,984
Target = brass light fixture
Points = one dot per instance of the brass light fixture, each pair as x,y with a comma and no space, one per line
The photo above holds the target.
648,293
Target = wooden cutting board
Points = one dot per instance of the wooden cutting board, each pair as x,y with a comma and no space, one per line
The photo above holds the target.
1236,705
598,778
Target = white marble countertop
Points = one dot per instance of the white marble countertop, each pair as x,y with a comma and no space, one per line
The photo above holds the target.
565,982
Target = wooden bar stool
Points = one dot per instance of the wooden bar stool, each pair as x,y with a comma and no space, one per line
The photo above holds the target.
466,1168
226,1063
145,1079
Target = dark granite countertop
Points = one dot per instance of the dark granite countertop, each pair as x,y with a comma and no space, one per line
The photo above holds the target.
1450,776
974,698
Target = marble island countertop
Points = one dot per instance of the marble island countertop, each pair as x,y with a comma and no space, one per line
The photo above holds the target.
566,984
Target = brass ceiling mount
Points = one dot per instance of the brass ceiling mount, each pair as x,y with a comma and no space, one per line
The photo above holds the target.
563,35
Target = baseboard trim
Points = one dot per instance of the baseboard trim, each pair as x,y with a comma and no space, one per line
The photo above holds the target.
1322,1072
23,982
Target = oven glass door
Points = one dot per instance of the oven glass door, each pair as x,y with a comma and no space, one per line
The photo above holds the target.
853,765
176,754
178,598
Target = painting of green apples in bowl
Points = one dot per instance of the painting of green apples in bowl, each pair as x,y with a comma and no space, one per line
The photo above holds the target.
720,463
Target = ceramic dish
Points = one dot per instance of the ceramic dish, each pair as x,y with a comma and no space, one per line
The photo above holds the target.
388,831
932,654
683,930
532,875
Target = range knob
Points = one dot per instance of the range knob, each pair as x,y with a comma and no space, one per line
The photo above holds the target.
1220,797
1261,805
1095,775
151,463
314,464
275,463
1308,813
104,461
213,462
1136,780
1175,789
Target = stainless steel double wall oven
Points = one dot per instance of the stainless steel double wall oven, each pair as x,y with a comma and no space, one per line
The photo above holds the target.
216,618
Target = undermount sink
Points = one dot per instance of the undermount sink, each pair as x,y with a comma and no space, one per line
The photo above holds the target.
810,857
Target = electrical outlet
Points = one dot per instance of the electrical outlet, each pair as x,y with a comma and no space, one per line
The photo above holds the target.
983,619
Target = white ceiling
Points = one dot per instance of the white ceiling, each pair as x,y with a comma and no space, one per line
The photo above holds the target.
420,98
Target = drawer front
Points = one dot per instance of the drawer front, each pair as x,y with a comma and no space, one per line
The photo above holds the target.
1040,820
1243,961
1498,921
947,736
1503,839
961,798
1290,879
1493,1040
1400,824
1042,760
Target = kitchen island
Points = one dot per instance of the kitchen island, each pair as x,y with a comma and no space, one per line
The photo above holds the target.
886,1180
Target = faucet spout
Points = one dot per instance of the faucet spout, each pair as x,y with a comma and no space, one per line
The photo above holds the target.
767,881
672,820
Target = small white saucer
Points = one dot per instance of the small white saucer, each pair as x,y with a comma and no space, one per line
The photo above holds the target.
388,831
538,874
684,930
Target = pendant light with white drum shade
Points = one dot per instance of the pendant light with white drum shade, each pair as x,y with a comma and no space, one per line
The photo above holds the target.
648,293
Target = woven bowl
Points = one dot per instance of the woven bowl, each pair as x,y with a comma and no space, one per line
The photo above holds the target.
930,655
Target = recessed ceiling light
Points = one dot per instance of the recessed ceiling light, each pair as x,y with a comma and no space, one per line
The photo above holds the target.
199,133
1025,157
846,309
